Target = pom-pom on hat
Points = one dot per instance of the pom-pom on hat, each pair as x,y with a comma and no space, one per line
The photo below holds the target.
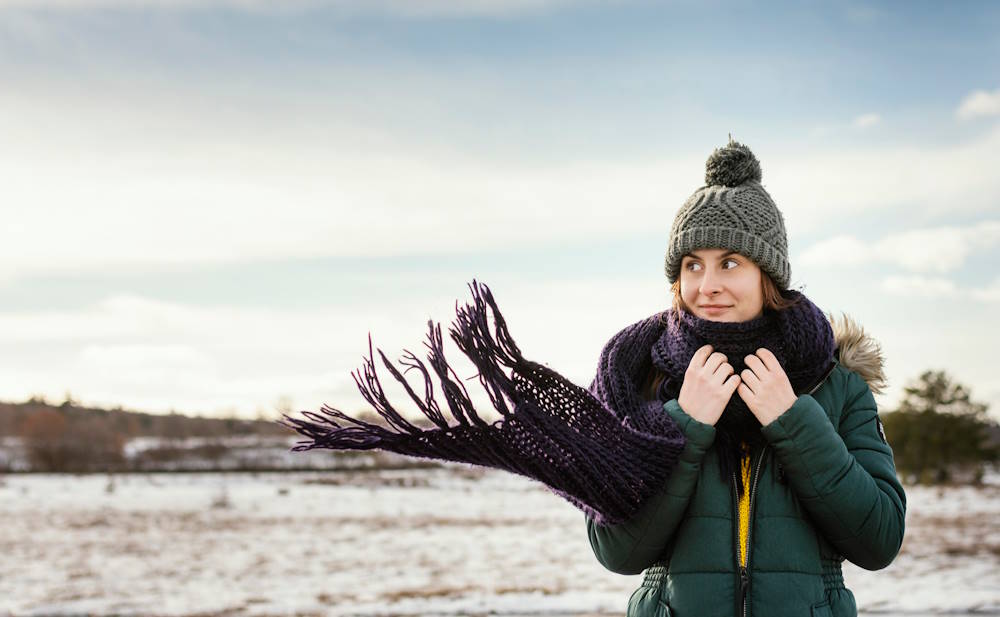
732,211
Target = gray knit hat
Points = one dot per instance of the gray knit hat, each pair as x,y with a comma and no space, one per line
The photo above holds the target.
732,211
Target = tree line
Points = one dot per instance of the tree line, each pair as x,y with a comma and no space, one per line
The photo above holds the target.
72,438
938,433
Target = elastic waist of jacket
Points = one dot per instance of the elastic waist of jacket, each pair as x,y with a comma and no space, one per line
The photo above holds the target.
654,575
833,576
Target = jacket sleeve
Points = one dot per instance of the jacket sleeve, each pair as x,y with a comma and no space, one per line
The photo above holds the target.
634,545
846,478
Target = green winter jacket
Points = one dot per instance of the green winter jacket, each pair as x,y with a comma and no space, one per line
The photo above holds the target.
823,489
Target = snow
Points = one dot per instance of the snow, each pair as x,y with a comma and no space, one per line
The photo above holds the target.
449,541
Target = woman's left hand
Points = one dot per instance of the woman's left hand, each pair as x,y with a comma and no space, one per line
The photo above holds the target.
764,387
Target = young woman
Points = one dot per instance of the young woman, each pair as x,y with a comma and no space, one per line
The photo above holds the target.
730,446
786,470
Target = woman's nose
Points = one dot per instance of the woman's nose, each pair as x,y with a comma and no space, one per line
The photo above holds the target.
709,284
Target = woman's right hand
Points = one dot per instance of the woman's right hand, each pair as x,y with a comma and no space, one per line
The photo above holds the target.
709,383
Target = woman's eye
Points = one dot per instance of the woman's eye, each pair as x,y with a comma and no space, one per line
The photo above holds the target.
693,266
730,261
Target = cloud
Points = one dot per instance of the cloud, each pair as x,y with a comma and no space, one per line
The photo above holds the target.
908,249
155,355
861,122
145,353
158,178
978,104
921,286
990,293
940,288
842,250
926,180
128,357
867,120
197,186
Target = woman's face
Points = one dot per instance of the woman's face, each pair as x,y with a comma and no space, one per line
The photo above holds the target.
721,285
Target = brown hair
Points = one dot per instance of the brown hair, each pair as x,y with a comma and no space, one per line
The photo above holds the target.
772,300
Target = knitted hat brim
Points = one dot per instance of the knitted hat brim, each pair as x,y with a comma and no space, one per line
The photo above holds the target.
755,248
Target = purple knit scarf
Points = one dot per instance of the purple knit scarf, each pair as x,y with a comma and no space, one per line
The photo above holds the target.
605,449
800,336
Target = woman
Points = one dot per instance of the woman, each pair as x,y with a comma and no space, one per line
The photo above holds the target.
786,470
728,446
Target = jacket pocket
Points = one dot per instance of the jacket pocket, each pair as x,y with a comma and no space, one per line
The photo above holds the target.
822,609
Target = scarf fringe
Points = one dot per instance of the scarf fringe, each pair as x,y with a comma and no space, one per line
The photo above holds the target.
472,335
551,430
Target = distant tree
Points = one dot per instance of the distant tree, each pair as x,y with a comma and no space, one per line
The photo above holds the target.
70,437
58,441
939,433
174,426
46,436
68,401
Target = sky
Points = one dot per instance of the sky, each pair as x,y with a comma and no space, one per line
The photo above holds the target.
208,205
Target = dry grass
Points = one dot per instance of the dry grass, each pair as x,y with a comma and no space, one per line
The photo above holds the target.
429,592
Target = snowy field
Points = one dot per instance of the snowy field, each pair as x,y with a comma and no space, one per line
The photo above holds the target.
459,541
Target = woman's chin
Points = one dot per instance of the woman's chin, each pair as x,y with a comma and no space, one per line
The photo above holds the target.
722,319
724,315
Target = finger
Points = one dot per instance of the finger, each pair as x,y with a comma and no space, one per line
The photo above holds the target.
750,379
769,359
732,383
701,355
745,393
756,365
725,370
715,361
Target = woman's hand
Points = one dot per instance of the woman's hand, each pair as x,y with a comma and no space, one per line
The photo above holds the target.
765,388
709,383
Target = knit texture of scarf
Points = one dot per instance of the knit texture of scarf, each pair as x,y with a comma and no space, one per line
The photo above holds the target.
800,337
605,449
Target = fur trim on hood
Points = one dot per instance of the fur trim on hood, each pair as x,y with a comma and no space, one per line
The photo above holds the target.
859,352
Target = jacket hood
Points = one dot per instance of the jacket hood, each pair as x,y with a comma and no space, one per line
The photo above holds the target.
859,352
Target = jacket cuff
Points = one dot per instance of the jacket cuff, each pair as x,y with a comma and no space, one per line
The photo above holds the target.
699,435
805,441
805,416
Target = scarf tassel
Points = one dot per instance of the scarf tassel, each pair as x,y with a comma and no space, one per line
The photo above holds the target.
550,430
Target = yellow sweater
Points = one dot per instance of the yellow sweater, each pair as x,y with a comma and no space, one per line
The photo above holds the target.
744,505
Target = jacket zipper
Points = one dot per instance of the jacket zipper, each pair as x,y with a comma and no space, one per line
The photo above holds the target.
745,569
823,380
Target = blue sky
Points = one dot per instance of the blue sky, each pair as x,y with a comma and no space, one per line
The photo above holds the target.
209,204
